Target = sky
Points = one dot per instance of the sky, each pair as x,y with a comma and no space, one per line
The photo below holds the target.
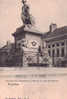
45,12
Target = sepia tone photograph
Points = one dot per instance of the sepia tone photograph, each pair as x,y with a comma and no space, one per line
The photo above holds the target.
33,33
33,49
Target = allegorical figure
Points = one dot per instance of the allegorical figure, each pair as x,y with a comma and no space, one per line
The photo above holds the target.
26,16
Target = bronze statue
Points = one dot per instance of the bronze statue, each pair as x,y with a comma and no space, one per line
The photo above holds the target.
26,16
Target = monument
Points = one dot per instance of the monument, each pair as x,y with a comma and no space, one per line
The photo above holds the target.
30,41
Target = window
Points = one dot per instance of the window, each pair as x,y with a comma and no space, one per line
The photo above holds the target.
49,53
62,52
48,46
53,45
57,44
62,43
53,53
57,52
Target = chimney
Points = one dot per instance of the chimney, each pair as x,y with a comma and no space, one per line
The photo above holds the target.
53,27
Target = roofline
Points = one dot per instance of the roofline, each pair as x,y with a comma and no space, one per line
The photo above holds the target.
49,38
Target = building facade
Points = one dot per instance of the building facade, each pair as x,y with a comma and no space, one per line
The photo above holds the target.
56,40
